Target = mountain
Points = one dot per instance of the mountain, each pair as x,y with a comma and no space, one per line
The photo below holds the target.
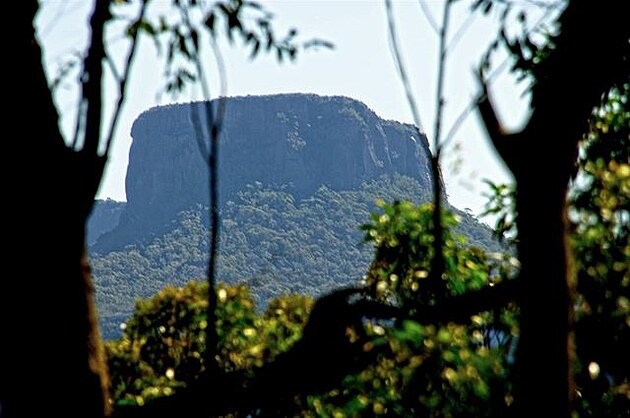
300,141
299,174
271,240
104,218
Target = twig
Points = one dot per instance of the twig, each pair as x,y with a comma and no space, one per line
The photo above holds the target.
400,66
216,122
122,81
437,262
429,16
93,80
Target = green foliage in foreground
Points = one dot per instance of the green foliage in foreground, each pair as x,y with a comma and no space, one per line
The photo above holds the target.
164,341
600,211
432,369
424,368
276,243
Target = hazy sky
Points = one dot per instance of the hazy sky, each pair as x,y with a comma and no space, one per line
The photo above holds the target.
360,67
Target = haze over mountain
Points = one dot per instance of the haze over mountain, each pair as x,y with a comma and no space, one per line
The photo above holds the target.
298,175
300,141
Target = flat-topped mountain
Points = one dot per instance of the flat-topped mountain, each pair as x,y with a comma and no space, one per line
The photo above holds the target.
300,141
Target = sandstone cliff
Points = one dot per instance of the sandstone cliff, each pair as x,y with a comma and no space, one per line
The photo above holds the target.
299,140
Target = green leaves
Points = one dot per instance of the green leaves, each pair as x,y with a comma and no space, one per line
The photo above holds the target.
601,225
163,343
403,241
436,367
501,205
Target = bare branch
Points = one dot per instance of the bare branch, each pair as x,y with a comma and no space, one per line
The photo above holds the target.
79,125
112,67
92,78
440,78
122,80
400,66
216,122
459,121
505,143
65,69
429,16
488,80
437,262
51,24
461,31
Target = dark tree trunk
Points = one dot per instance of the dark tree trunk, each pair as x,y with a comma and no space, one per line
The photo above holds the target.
543,358
53,359
567,85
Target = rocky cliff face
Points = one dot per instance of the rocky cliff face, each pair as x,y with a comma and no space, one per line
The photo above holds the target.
105,217
299,140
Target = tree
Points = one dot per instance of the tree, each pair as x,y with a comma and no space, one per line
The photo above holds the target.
407,367
421,367
561,107
69,171
600,227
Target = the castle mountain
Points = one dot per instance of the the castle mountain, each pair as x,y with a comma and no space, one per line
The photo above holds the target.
298,175
301,141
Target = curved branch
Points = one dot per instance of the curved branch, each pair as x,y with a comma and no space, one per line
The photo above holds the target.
92,88
400,66
505,143
122,80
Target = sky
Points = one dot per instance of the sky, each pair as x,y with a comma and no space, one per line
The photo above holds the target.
360,66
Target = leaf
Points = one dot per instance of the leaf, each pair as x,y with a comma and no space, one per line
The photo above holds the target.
195,39
147,27
255,49
209,22
270,40
253,5
316,43
182,45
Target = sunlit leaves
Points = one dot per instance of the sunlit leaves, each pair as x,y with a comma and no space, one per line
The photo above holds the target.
600,202
501,201
163,343
420,366
431,369
402,236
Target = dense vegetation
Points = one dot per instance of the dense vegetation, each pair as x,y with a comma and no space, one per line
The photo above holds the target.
440,370
270,240
600,238
420,367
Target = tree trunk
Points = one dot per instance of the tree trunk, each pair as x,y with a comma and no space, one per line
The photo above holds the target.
53,363
543,365
567,84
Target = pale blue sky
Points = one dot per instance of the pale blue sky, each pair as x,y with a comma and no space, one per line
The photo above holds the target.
360,67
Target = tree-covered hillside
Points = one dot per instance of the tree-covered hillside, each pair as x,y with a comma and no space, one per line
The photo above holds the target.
269,239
